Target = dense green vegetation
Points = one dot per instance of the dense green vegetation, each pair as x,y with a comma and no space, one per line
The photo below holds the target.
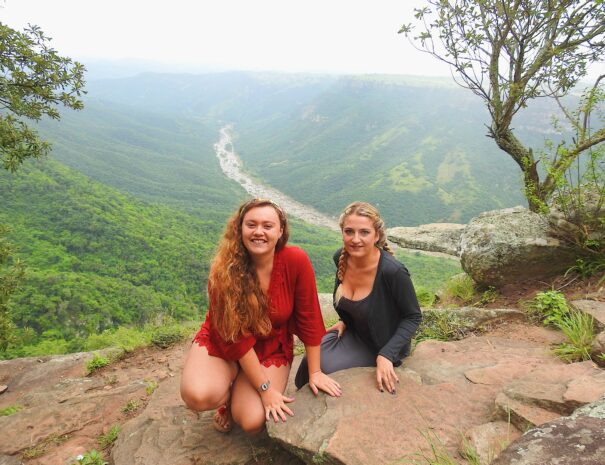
98,259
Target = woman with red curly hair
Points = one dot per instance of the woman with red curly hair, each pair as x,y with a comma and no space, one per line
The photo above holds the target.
261,293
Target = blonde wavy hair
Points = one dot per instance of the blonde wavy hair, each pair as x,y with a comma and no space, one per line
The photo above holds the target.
240,307
371,212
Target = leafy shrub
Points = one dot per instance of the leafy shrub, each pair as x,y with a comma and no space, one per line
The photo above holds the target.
488,296
125,338
96,363
586,268
550,306
166,336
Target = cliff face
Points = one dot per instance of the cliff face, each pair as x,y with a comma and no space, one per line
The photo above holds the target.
489,387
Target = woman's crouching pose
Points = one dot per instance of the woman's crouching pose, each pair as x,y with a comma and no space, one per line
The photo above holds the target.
375,299
261,292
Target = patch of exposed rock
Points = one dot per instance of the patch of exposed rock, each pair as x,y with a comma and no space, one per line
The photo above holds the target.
167,433
469,387
578,439
447,389
435,237
63,413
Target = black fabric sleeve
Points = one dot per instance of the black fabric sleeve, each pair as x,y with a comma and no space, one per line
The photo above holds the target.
404,297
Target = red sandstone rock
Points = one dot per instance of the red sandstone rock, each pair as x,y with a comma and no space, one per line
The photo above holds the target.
489,439
522,415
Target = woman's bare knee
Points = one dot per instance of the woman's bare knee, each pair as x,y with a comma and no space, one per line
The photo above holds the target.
200,399
251,424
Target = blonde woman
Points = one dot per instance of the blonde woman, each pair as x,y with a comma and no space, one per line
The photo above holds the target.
375,300
261,292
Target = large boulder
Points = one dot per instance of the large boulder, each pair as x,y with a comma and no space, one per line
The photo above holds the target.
512,245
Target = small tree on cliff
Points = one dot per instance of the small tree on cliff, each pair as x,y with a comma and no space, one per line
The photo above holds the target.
34,80
511,51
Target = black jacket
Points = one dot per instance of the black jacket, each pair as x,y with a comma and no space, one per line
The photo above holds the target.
394,310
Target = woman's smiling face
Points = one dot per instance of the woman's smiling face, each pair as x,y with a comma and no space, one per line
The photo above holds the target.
261,230
358,235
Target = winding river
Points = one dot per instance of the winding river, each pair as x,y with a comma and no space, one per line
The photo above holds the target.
233,169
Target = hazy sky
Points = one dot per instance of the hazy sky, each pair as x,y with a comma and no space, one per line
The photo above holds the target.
343,36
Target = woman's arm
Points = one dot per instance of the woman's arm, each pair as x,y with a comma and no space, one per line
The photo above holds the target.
273,400
404,301
318,379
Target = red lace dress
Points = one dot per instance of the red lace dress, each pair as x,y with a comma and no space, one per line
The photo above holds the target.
294,309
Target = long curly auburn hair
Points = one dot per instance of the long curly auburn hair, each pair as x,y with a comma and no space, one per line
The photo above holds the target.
240,307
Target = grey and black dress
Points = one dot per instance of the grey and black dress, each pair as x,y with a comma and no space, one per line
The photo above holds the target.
382,323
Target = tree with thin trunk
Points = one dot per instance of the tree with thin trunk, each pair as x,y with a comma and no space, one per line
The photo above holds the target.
509,52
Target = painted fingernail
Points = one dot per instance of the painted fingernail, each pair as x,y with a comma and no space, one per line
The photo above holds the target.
381,390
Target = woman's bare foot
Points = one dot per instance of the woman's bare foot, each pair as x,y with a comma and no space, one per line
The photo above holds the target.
222,420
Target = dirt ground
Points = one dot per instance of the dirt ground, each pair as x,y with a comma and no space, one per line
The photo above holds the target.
574,288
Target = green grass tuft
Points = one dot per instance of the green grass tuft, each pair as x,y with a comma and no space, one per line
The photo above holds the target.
579,329
442,325
96,363
426,298
10,410
131,406
438,454
90,458
151,386
460,288
107,439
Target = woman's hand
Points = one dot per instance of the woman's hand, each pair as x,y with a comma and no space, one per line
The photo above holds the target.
338,326
320,381
275,404
385,375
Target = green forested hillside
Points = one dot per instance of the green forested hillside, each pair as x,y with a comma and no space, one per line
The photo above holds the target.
419,153
416,148
97,258
154,156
